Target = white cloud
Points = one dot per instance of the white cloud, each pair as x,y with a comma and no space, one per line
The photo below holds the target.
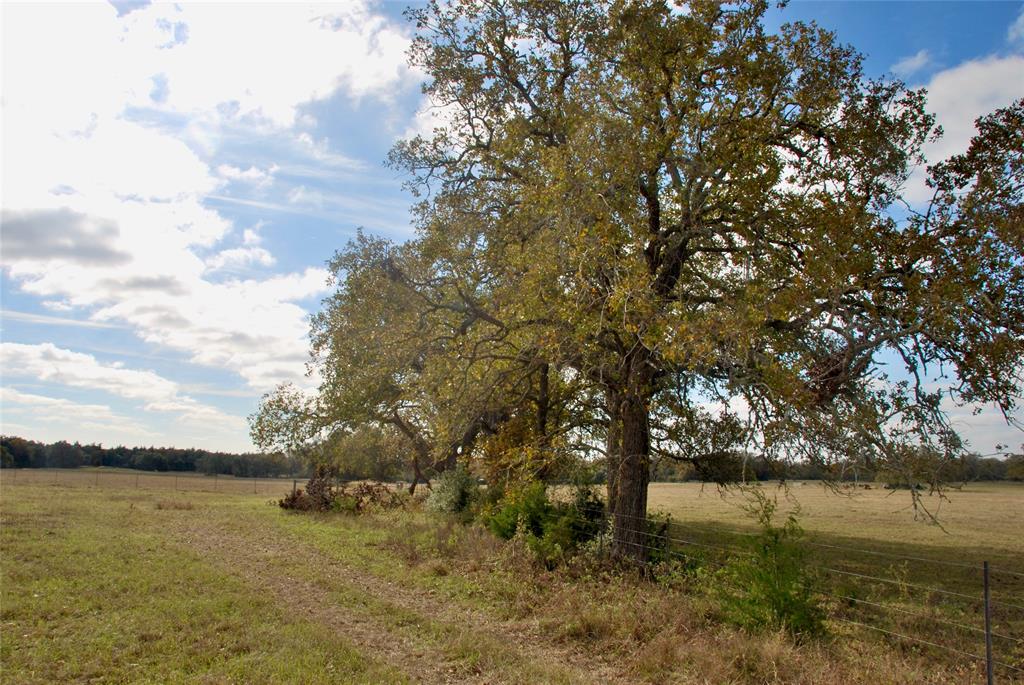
257,177
320,151
53,419
135,194
48,363
55,406
251,236
53,320
40,417
1015,34
960,95
430,116
240,258
203,57
912,64
300,195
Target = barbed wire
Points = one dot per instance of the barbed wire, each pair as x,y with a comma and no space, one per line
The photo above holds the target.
927,642
883,607
929,617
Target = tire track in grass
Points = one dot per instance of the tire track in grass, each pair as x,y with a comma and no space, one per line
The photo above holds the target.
264,565
428,638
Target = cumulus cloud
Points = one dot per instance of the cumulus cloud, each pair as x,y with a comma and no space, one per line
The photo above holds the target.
251,236
46,418
960,95
909,66
240,258
116,223
48,363
206,60
53,412
57,406
45,234
252,175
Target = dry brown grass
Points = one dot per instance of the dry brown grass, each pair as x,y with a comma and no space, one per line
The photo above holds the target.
982,516
177,505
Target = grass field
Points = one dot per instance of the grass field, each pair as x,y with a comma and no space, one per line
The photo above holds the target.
107,583
131,479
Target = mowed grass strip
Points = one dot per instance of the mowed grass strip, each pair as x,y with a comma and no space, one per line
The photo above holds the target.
94,590
341,560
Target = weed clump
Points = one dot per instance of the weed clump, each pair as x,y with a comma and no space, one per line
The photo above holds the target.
453,491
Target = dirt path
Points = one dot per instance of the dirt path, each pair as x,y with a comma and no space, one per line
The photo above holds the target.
262,558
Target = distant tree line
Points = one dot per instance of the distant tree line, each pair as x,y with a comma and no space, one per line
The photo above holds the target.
18,452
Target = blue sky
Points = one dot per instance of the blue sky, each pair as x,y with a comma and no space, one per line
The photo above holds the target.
174,178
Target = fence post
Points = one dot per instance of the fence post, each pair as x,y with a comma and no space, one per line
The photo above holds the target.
988,627
294,485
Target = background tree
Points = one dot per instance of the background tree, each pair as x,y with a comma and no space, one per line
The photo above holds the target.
405,343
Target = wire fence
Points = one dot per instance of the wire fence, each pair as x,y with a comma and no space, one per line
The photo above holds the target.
172,481
971,611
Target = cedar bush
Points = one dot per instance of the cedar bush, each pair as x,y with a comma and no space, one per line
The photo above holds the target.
772,588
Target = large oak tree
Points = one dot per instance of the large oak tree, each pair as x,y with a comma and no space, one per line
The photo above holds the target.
679,207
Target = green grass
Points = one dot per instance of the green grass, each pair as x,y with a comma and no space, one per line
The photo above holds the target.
121,585
93,591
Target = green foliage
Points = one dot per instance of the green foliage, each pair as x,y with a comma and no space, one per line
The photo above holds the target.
528,508
630,209
31,454
773,587
550,529
369,452
453,491
1015,467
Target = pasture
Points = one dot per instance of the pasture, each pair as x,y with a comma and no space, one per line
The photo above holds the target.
106,582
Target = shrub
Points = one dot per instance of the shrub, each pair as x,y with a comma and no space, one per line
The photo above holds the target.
453,491
529,505
772,588
550,530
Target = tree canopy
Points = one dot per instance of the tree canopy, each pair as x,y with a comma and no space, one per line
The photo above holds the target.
667,232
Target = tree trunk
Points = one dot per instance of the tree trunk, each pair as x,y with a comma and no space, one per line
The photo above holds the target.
612,449
417,475
543,406
628,499
420,447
